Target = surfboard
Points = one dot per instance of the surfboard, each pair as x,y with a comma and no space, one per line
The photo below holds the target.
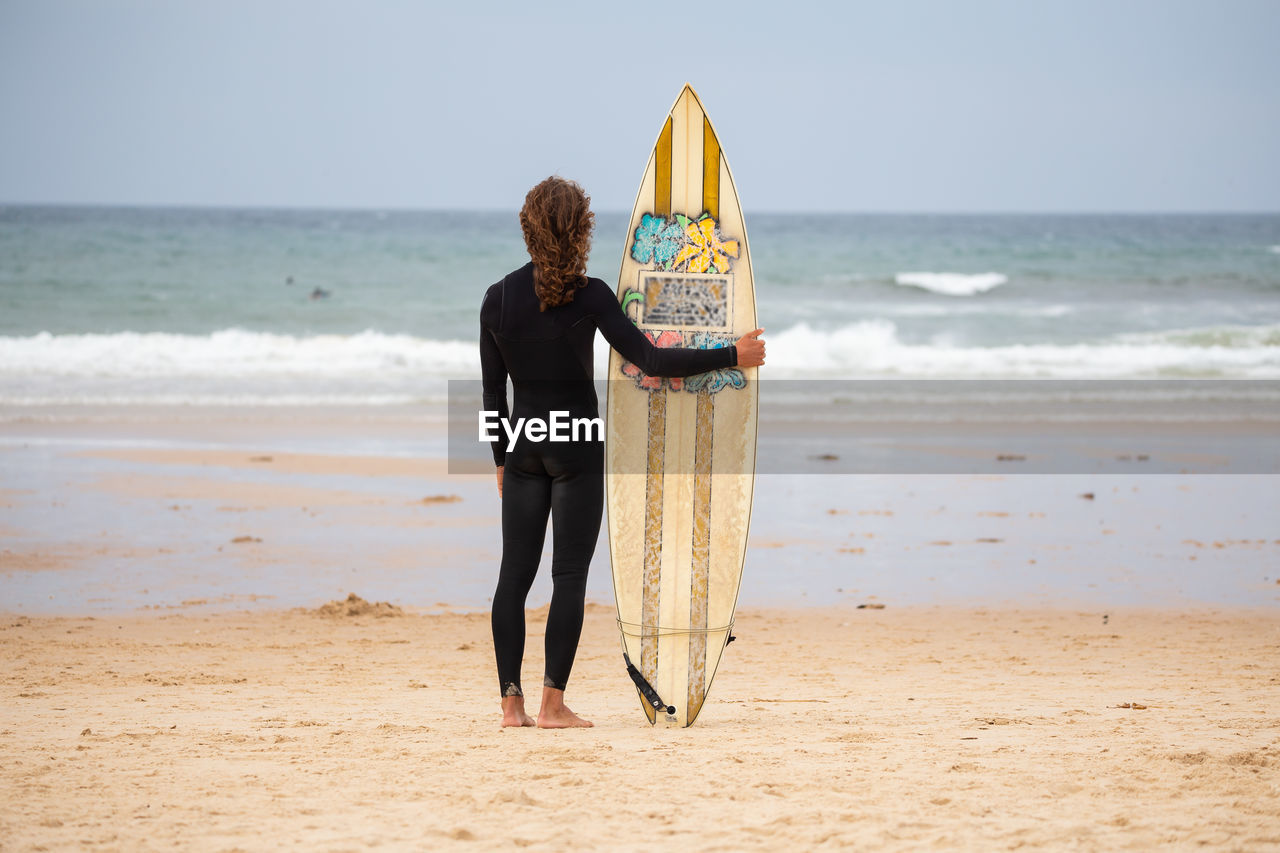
681,452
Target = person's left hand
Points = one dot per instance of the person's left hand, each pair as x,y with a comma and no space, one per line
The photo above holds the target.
500,467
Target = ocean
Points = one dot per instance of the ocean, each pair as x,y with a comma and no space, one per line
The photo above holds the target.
261,307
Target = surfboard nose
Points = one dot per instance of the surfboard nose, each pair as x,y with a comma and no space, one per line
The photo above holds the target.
687,93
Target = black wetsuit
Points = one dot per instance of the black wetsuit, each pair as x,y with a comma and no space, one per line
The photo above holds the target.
548,355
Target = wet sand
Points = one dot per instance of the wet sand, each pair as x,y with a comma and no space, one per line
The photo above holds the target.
109,511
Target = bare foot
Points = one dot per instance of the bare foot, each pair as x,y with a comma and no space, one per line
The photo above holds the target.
554,714
518,719
513,712
562,718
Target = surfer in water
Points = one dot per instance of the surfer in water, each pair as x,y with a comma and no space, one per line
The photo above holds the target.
537,326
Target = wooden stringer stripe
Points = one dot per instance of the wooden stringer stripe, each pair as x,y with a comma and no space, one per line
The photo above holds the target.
704,435
710,170
662,172
701,574
650,600
654,462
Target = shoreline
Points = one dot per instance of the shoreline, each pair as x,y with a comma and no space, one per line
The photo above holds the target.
915,438
117,510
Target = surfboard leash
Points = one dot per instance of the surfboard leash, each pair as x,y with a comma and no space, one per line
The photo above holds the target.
646,689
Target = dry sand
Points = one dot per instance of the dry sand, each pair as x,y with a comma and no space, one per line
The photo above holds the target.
900,728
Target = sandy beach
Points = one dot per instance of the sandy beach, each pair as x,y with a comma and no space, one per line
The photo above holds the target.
891,729
967,662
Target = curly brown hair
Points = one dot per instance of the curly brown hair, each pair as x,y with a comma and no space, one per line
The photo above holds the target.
557,222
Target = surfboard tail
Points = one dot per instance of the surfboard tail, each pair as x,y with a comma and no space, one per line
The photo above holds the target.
646,689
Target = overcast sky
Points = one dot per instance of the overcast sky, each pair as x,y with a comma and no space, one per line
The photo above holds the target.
1025,105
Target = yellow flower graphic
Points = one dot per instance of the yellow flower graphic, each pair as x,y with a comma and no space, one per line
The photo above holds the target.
705,249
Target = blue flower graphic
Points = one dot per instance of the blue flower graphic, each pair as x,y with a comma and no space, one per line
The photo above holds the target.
657,241
713,380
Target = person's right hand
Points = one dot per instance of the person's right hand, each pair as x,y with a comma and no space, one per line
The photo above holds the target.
750,349
500,467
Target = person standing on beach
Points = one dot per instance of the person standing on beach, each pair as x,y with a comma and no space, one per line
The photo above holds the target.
538,326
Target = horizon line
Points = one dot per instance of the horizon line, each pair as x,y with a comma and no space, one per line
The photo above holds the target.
620,211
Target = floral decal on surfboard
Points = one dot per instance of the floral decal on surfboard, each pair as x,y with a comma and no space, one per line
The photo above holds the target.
681,244
710,382
655,383
713,380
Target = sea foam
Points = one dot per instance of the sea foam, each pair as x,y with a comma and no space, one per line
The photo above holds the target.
236,353
240,367
873,348
951,283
